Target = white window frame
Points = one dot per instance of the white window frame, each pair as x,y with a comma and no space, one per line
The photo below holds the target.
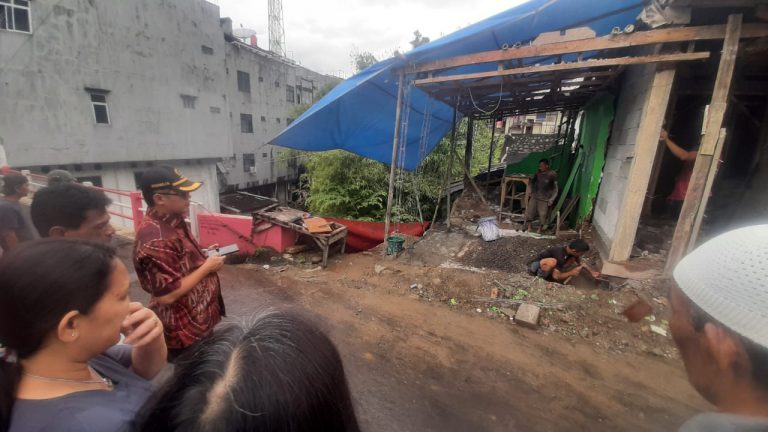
105,104
9,6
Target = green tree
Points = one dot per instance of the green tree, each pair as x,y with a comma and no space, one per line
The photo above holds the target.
345,185
418,39
363,60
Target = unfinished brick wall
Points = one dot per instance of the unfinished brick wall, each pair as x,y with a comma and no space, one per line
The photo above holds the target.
634,92
517,146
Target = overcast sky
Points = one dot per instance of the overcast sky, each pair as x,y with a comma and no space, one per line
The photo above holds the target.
321,34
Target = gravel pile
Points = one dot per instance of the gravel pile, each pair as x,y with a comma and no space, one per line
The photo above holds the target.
510,254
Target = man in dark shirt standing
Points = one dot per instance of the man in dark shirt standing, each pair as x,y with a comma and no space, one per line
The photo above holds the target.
14,228
171,266
559,263
543,193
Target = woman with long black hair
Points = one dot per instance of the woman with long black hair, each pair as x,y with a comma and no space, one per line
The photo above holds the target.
63,307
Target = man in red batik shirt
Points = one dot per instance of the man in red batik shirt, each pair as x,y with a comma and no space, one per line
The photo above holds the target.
171,266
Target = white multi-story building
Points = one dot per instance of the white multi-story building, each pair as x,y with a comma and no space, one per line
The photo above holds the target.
264,90
536,124
106,89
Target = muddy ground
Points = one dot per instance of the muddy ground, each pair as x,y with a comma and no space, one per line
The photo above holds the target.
420,357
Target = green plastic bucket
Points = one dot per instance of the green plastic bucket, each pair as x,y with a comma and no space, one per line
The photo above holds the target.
394,245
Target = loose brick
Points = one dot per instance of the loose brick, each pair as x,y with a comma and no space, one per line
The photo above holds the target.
528,315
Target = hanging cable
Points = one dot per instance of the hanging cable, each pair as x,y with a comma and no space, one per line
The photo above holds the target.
498,104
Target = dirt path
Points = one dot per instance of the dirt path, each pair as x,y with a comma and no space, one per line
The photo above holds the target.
414,365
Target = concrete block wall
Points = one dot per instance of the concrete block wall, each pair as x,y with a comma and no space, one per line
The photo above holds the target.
634,92
267,102
529,143
149,56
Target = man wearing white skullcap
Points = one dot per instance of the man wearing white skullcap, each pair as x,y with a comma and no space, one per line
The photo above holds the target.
720,323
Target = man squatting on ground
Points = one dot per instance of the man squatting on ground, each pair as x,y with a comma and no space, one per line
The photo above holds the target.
559,263
170,264
720,324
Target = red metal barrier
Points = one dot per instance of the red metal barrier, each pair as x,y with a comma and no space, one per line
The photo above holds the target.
136,200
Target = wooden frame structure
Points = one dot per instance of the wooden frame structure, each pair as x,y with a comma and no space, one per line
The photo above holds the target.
323,240
578,66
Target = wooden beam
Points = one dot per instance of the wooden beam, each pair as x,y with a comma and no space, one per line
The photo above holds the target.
586,64
679,34
707,151
714,164
654,111
533,80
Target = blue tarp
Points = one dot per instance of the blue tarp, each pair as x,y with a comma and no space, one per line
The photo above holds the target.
359,114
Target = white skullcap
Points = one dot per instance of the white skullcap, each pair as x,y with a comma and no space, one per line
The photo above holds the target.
727,277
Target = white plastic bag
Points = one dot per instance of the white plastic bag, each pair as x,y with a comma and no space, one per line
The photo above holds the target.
488,228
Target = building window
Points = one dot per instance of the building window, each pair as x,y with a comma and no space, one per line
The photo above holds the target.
15,16
265,155
207,50
541,116
298,95
215,110
249,162
278,119
243,82
188,101
93,180
277,84
290,95
261,79
246,123
263,119
99,103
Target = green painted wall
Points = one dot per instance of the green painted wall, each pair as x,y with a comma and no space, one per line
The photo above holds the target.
593,138
594,128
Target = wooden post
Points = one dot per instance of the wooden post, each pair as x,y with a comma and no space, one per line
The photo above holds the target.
647,142
490,160
708,150
661,152
707,190
393,165
449,173
468,149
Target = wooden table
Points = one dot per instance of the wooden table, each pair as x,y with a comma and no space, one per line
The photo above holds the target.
292,219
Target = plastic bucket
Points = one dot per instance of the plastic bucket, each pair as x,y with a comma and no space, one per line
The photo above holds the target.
394,245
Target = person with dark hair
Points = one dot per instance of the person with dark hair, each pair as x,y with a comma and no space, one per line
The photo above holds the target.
60,176
560,263
279,373
63,306
14,228
720,324
171,266
543,193
72,210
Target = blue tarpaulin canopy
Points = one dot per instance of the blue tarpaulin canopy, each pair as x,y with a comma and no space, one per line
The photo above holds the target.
359,114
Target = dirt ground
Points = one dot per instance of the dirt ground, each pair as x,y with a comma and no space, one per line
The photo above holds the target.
420,357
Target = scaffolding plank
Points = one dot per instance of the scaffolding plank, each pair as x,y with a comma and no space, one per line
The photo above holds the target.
586,64
680,34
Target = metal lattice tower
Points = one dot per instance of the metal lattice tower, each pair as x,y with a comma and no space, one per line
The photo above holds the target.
276,29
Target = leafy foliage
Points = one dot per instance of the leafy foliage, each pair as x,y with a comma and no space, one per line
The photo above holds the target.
418,39
363,60
342,184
